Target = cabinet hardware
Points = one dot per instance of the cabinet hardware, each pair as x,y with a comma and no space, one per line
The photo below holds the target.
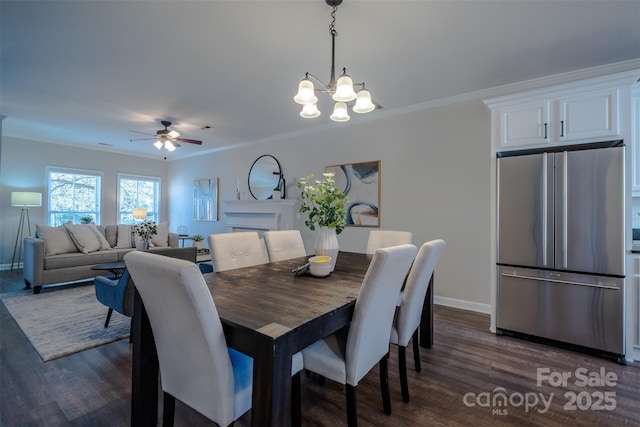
545,131
561,128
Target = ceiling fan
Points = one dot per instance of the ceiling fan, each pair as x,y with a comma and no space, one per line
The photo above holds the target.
167,138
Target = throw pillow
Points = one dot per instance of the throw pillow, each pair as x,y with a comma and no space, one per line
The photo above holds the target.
57,239
87,237
125,238
162,238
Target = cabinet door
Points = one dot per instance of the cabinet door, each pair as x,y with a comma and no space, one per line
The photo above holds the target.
635,139
525,125
592,116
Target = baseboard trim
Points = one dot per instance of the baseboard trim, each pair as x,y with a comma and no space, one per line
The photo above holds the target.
462,304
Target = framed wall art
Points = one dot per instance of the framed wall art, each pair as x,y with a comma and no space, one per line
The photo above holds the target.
205,199
361,183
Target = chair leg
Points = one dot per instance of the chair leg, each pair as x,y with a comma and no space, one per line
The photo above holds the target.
384,385
296,401
402,366
352,412
109,313
416,350
168,410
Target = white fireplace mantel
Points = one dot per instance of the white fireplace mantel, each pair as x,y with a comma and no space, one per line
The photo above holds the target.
259,215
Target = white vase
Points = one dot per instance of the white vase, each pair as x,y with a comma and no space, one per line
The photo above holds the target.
327,244
198,244
277,195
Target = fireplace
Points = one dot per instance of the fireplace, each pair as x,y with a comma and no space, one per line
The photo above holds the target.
259,215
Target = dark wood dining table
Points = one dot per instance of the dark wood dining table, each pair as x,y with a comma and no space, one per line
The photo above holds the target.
269,314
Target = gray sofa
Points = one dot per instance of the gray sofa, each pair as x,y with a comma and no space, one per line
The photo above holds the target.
65,254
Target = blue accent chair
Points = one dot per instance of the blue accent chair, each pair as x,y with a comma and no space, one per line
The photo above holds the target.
115,294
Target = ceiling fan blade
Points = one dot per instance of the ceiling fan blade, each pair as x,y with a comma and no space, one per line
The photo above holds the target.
190,141
144,133
142,139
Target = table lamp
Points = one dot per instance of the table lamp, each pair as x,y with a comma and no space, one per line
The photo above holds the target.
25,200
139,213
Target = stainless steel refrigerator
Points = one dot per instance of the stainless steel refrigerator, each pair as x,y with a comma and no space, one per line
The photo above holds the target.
561,252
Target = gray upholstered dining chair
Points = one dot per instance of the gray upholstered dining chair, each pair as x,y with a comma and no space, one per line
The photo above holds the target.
349,354
235,250
409,312
385,238
284,244
217,380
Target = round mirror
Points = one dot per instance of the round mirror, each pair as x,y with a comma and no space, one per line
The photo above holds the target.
265,175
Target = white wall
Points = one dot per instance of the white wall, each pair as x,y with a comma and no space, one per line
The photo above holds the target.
23,168
435,175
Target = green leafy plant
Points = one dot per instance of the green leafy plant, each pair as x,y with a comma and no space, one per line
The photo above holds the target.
324,202
145,229
198,238
86,218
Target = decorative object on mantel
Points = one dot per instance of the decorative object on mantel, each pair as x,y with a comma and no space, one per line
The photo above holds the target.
361,183
205,199
325,204
341,91
197,241
277,194
144,231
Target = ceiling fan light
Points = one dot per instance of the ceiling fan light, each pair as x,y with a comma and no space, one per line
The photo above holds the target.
310,111
306,94
169,146
344,89
340,113
174,134
363,102
158,144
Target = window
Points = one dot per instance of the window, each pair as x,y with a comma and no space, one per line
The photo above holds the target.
137,192
73,193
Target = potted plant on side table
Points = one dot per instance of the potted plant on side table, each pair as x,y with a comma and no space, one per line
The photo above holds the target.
326,207
86,219
197,241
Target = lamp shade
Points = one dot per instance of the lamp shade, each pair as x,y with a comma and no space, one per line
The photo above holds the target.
139,213
26,198
310,111
363,102
344,89
305,95
340,113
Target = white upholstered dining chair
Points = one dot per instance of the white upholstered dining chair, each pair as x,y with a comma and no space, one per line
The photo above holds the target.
284,244
235,250
385,238
409,311
348,355
217,380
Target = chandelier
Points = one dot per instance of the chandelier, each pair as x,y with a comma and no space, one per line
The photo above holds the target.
341,90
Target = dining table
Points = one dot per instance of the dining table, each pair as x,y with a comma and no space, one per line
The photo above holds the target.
268,313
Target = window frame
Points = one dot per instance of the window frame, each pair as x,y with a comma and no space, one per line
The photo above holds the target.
153,214
99,175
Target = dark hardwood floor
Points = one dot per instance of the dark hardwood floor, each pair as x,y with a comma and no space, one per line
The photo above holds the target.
92,388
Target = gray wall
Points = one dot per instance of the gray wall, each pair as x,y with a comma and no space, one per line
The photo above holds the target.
23,168
435,174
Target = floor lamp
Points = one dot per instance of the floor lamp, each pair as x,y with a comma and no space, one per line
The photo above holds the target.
25,200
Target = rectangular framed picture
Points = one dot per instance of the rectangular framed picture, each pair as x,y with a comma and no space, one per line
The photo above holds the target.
361,183
205,199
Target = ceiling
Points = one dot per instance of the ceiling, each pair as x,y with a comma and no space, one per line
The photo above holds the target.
90,72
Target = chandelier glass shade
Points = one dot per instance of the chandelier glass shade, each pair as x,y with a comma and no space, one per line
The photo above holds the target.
342,91
166,143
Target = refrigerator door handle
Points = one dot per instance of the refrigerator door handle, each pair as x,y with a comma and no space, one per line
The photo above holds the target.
569,282
545,207
563,219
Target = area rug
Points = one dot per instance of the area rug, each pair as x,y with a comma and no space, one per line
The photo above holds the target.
65,321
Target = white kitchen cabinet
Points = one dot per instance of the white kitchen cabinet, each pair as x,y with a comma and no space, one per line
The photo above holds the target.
592,115
588,117
581,112
635,139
